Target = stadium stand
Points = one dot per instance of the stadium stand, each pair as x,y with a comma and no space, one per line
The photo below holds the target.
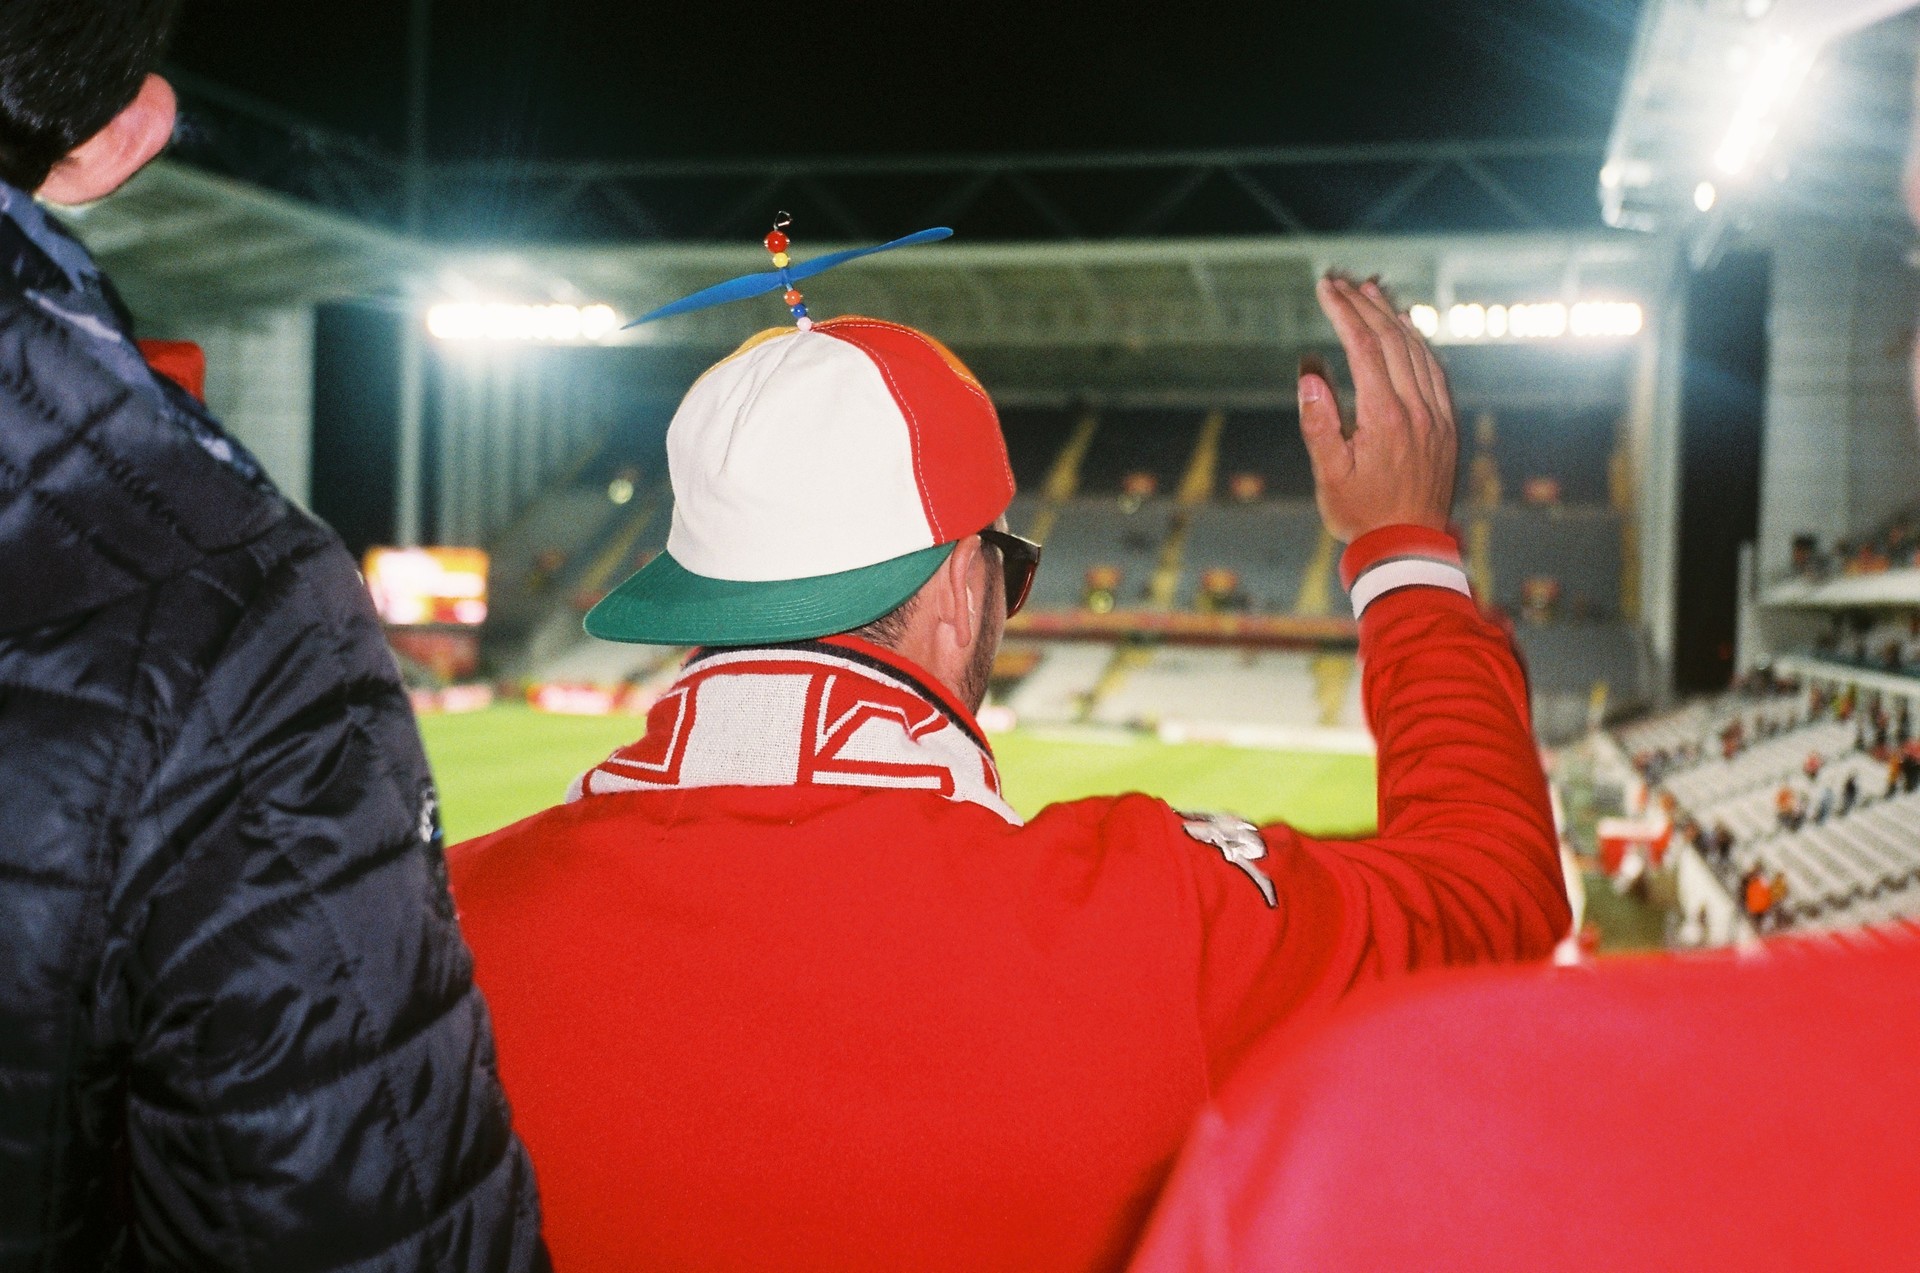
1802,805
1270,545
1267,444
1579,547
1100,531
1128,442
1034,441
1231,498
1059,687
1215,687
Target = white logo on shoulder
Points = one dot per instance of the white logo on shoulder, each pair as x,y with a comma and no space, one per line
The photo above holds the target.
1238,841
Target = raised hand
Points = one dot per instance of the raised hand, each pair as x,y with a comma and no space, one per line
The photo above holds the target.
1396,468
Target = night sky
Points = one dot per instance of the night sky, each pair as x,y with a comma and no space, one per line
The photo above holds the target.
620,79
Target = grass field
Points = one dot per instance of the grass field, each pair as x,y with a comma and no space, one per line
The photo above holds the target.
498,766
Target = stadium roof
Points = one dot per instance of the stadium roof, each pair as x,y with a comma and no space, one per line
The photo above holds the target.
179,240
1735,111
1218,319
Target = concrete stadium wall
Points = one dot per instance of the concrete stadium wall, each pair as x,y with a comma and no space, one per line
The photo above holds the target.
1841,453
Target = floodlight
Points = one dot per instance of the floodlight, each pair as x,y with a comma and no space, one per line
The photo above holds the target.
1537,322
1529,322
1467,322
1617,319
1776,77
1705,196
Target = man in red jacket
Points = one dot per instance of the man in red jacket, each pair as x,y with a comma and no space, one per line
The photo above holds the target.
786,984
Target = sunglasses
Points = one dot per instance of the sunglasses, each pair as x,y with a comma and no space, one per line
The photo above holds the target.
1020,559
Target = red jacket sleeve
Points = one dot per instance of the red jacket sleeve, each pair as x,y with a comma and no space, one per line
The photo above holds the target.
1465,867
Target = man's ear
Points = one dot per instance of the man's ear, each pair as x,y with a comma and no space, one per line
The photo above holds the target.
958,604
105,161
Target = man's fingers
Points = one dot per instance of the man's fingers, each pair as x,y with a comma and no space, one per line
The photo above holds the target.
1442,394
1327,446
1365,358
1423,367
1381,318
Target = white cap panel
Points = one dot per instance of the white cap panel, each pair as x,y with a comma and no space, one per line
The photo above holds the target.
806,473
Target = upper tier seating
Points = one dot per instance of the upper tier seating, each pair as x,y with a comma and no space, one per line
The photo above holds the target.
1092,532
1580,547
1269,544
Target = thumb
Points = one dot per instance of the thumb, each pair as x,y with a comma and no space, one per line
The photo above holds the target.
1327,446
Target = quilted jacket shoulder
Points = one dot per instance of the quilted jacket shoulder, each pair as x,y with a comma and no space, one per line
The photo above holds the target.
237,1021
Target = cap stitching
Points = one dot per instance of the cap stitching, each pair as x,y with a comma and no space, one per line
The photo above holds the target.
913,427
972,386
967,381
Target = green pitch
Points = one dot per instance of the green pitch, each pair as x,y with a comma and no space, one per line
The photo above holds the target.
500,765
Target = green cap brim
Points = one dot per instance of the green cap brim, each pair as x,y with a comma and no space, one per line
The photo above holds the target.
667,604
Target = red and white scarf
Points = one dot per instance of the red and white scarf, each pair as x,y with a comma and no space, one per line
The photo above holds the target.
834,713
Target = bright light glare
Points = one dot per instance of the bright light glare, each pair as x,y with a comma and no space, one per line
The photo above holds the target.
1771,85
1705,196
1550,320
555,324
1616,319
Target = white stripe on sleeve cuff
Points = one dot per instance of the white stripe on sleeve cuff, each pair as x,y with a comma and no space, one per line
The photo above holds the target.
1406,572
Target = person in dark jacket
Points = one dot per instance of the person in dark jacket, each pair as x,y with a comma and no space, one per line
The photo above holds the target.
238,1028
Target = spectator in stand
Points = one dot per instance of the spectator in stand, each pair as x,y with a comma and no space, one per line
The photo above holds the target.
1723,841
1849,794
1777,894
1823,808
1784,804
1812,766
238,1028
1757,896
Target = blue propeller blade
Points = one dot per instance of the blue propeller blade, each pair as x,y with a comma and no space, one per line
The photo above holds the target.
751,285
821,264
738,289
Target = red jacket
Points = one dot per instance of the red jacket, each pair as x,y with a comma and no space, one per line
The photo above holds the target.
1690,1114
859,1017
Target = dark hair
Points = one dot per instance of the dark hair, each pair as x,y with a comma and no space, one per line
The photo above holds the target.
67,67
886,631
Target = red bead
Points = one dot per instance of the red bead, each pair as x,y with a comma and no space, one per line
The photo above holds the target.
792,297
776,242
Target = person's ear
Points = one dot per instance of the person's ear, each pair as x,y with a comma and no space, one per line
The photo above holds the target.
961,601
105,161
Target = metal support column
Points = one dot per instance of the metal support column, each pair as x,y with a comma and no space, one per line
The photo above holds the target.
413,353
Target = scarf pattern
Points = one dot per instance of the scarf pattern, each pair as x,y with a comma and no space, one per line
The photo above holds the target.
830,714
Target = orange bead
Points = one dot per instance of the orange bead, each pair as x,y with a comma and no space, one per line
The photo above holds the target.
792,297
776,242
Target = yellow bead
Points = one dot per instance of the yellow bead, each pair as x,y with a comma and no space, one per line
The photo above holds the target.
781,260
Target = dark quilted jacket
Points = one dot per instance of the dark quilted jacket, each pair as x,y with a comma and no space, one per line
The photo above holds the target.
238,1028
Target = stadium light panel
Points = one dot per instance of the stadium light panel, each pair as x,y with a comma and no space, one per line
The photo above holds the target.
1607,319
1705,196
1472,323
496,321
